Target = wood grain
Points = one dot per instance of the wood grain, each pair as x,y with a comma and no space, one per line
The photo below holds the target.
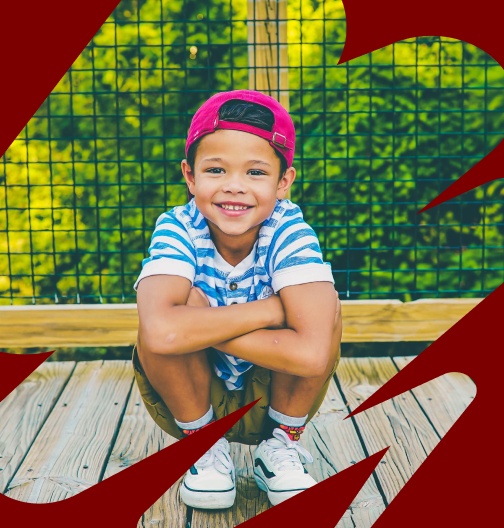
392,321
72,447
56,326
335,446
267,48
65,417
23,412
399,423
443,399
139,437
116,324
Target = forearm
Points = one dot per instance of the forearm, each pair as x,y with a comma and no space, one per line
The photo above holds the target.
288,351
282,350
184,329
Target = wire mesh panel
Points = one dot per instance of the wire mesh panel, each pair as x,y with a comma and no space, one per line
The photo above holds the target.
381,136
378,138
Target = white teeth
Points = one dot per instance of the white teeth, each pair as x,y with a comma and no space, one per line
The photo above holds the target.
234,207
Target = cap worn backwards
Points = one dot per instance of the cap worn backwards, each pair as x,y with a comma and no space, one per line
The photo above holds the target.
206,120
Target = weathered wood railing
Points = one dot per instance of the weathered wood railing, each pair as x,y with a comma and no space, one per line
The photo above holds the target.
116,324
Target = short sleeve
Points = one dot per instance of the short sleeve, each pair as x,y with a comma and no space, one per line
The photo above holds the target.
296,255
171,251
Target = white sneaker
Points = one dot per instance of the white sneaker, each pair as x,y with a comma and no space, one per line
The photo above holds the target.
210,482
278,469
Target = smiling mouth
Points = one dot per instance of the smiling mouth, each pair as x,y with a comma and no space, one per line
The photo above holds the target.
229,207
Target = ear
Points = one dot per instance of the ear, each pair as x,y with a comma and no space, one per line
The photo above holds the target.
286,182
188,175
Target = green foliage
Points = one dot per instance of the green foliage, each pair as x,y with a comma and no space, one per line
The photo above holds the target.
377,139
381,137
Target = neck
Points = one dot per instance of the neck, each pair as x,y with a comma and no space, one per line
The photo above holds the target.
233,249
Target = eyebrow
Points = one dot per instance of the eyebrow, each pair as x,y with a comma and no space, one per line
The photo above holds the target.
252,162
260,162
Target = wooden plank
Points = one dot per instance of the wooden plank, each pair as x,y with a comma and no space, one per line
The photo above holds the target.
23,412
399,423
72,447
443,399
55,326
267,48
393,321
335,446
332,441
116,324
139,437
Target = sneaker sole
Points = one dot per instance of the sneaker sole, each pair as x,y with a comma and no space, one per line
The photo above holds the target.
207,500
275,497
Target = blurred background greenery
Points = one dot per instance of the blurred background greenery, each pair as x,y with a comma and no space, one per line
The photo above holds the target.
378,138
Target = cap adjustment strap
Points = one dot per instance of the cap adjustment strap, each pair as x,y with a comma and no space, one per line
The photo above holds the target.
274,140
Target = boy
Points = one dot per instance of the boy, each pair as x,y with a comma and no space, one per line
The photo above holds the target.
236,303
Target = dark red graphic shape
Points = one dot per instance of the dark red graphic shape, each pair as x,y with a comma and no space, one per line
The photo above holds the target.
456,481
488,169
372,25
121,499
327,501
14,369
39,41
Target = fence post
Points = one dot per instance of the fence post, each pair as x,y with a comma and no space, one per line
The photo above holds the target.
267,48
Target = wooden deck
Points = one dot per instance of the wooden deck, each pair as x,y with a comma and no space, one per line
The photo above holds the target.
69,425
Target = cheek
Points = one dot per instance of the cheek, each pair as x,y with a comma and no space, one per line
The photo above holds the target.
204,186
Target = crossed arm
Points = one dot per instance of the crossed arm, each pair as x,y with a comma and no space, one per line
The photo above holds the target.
294,332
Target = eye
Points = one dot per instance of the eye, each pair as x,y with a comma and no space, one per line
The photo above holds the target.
215,170
256,172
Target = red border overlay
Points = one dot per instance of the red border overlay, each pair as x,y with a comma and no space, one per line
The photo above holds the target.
454,487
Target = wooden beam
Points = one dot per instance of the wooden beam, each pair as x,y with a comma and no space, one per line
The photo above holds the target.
54,326
395,321
267,48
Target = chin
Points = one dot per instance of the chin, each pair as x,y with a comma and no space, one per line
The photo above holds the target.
234,230
230,232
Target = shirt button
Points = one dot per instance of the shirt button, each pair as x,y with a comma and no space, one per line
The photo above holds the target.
233,286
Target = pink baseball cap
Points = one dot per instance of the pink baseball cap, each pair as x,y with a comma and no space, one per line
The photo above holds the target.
206,120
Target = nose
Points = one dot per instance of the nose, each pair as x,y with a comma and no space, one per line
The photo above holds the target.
234,184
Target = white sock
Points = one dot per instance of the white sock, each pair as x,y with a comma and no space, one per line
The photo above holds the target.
196,424
289,421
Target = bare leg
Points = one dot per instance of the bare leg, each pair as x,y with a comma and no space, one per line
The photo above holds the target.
183,382
294,395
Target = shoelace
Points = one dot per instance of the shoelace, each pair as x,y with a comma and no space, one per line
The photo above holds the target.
218,456
286,453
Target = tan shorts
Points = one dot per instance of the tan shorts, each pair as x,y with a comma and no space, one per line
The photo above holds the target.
246,431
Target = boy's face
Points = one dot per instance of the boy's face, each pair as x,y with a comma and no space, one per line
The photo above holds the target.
236,181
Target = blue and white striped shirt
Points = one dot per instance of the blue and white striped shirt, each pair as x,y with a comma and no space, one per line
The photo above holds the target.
286,253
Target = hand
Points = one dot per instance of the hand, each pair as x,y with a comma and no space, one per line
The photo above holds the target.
338,307
338,328
276,311
197,298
